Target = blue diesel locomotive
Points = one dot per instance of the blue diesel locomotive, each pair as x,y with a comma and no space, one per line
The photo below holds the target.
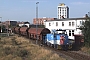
58,39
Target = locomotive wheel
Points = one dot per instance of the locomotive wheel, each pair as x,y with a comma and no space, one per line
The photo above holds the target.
59,47
70,47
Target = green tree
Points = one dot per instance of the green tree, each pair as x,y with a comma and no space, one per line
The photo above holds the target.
86,32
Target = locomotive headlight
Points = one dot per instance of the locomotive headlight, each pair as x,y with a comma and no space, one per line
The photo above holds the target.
67,43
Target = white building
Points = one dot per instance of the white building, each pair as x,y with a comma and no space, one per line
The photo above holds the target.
63,11
71,25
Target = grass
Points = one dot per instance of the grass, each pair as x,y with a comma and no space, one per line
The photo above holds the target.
20,48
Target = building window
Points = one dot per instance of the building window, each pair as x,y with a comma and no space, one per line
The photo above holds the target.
80,22
63,12
69,23
49,24
65,15
72,32
56,23
72,23
69,32
60,16
62,23
60,9
60,12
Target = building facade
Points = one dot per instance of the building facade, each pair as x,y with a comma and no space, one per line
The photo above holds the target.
40,21
71,25
63,11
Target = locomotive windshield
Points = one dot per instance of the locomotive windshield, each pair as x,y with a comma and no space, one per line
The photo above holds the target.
60,31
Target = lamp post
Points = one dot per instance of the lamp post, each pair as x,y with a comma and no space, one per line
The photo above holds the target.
1,26
37,21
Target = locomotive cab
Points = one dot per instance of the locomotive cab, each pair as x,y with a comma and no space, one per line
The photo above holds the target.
63,40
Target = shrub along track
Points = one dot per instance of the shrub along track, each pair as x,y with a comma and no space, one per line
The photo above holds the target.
73,55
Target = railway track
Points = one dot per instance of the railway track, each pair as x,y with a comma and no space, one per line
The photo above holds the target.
74,55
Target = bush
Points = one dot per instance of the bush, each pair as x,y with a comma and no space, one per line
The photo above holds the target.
22,53
7,50
14,42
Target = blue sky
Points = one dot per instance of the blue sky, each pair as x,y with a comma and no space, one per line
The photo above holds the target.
25,10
